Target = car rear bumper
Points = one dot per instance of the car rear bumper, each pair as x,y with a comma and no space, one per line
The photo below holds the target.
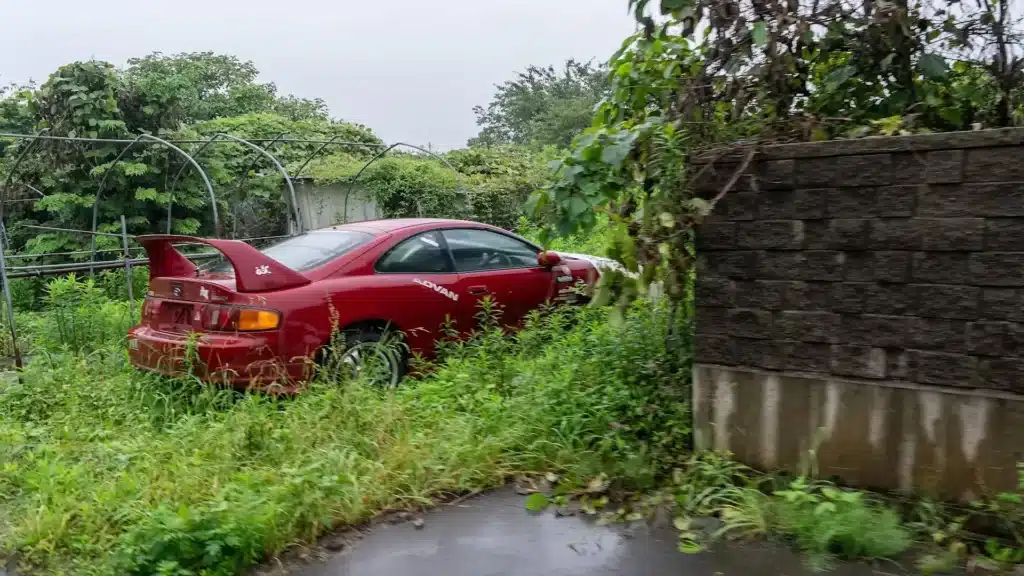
240,360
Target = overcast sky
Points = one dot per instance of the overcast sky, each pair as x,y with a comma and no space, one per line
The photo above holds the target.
410,69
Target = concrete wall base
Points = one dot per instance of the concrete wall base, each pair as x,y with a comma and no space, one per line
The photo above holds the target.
941,442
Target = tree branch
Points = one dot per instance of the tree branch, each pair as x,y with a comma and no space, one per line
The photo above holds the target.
735,176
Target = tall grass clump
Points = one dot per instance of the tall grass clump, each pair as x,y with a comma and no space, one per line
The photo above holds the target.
110,471
822,520
79,316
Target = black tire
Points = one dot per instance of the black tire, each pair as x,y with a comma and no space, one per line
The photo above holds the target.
384,349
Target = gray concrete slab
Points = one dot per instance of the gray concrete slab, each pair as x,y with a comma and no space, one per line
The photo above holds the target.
493,535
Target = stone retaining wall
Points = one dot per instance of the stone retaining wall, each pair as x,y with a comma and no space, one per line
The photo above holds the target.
893,260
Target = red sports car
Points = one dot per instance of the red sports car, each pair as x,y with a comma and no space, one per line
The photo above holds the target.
259,317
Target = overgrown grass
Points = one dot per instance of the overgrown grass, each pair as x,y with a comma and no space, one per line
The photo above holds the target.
108,471
822,520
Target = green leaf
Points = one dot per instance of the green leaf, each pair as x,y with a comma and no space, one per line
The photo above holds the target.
838,76
933,66
576,206
536,202
146,194
689,546
537,502
187,226
133,168
614,154
699,205
759,33
669,6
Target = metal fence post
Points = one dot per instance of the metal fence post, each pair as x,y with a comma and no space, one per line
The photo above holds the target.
10,306
127,267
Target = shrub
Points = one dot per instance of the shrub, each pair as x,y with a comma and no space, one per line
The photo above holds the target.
490,185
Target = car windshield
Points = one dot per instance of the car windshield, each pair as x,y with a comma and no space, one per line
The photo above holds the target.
306,251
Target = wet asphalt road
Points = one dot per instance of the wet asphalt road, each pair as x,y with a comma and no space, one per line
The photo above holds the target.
493,535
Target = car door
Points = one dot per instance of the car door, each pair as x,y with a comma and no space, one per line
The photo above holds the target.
499,266
415,281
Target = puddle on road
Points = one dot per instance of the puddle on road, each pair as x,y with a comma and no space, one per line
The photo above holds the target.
493,535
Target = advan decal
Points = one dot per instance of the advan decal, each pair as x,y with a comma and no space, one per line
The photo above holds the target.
439,289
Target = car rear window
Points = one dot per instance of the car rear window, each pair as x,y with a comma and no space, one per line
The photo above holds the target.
307,251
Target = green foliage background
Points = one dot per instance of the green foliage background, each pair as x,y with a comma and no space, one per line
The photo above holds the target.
194,96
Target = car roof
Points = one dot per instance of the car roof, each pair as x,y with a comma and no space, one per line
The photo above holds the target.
386,225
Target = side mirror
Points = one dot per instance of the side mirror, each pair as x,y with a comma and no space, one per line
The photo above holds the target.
549,259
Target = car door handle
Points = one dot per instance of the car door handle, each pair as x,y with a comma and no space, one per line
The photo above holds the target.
477,290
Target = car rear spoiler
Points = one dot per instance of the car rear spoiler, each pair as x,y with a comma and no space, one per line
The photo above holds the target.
254,271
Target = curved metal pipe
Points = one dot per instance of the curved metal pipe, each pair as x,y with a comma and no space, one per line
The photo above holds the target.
419,205
314,154
255,158
34,189
99,195
396,145
174,182
10,175
280,168
202,174
123,141
103,181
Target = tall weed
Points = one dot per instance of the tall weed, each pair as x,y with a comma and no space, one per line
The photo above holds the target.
821,519
80,317
826,521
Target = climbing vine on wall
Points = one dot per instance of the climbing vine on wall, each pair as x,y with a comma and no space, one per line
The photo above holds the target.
705,75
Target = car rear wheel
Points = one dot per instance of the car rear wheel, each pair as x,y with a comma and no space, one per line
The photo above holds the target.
375,354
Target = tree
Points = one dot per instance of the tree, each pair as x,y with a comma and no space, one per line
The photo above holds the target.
542,106
95,100
15,115
209,85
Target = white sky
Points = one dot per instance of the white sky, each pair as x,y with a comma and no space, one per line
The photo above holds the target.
410,69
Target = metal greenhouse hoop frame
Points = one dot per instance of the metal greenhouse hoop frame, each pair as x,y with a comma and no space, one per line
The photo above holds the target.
10,177
174,184
280,168
103,181
419,207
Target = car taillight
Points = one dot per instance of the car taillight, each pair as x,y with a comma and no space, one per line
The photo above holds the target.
231,319
250,319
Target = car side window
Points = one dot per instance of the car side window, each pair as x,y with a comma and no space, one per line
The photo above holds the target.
423,254
479,250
